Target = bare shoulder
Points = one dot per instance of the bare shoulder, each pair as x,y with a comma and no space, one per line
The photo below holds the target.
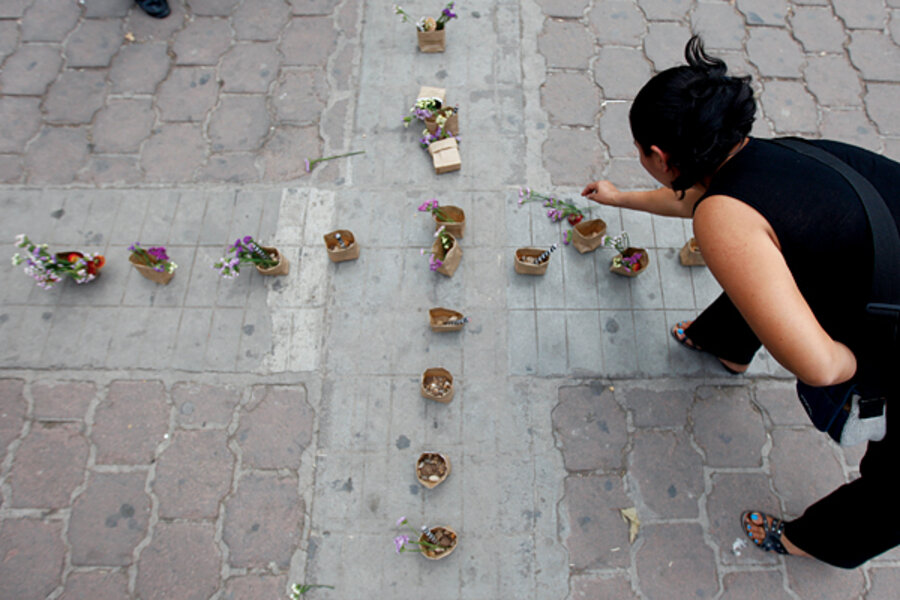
725,224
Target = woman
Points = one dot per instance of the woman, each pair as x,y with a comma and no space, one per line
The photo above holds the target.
787,238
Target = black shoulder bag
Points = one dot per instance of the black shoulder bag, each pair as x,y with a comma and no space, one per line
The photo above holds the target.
840,410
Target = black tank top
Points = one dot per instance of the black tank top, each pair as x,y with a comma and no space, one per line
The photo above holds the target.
819,222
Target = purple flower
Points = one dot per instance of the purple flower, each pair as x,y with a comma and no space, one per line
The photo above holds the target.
158,253
248,240
306,161
401,521
434,263
424,206
400,541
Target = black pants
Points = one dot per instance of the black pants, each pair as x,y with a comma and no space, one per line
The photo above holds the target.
857,521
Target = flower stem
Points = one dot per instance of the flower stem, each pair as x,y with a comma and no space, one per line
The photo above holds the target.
311,162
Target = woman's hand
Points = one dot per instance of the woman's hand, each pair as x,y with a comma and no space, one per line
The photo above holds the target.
602,192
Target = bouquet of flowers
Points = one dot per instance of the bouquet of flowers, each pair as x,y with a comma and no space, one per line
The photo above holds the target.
557,209
245,251
155,258
47,269
425,540
446,243
429,23
621,243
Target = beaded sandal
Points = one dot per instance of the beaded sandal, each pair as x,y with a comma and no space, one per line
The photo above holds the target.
773,528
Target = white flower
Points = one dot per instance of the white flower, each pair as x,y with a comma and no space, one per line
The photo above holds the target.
440,230
20,240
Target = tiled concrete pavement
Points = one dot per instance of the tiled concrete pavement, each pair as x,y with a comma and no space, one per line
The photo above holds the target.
223,439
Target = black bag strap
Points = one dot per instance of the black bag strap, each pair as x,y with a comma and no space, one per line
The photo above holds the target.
884,300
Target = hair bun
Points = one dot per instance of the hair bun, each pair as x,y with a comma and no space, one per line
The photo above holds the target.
696,57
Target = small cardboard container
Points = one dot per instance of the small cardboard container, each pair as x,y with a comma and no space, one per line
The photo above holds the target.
452,124
282,267
525,267
429,553
458,227
335,252
438,317
588,235
450,258
162,278
445,155
643,262
431,374
435,459
432,41
426,91
690,254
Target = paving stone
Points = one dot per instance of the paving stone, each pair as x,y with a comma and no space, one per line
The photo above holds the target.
138,68
12,169
833,81
590,428
885,582
564,9
193,475
571,155
13,9
659,10
313,7
814,579
308,41
668,472
260,20
615,130
728,427
654,408
109,519
13,407
56,155
174,153
106,8
570,99
893,27
62,399
719,24
97,585
249,68
764,12
239,122
130,422
94,43
730,495
21,118
49,21
300,96
817,29
230,167
122,125
621,72
756,585
75,96
875,55
188,94
860,14
213,8
616,22
774,53
145,28
111,169
591,587
285,150
48,466
565,44
881,105
781,404
9,38
33,553
597,533
799,480
30,69
254,586
263,521
276,431
182,561
851,126
789,107
202,42
674,562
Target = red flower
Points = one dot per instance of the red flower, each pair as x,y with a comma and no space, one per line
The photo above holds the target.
575,219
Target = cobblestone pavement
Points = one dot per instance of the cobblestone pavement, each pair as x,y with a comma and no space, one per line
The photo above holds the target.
223,439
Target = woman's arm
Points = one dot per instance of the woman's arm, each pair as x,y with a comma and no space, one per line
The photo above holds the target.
744,255
661,201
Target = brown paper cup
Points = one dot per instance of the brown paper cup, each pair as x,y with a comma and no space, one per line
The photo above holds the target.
452,124
430,374
148,272
432,481
458,226
450,259
438,317
427,91
445,155
438,531
588,235
690,254
281,268
643,262
527,268
335,252
432,41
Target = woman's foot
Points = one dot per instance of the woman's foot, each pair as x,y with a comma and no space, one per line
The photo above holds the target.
678,332
767,532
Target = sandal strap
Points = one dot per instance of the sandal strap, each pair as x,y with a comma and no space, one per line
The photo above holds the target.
773,528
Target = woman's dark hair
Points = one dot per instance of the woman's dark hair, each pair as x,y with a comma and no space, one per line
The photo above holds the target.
696,114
